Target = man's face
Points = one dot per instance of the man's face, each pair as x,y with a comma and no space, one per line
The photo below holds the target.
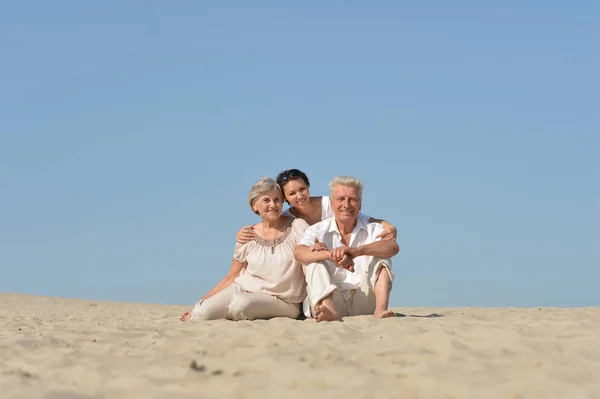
346,203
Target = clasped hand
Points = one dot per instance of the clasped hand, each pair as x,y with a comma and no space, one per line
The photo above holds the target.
341,256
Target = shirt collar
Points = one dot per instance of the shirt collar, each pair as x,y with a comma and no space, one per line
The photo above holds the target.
332,227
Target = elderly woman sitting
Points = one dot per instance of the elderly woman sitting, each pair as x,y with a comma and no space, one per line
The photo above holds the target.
265,280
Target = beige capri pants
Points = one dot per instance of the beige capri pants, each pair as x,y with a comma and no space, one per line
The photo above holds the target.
347,302
235,303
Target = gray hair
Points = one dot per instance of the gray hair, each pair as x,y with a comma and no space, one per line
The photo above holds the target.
348,181
261,187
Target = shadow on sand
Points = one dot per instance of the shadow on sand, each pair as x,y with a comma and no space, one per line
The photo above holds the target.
303,317
418,315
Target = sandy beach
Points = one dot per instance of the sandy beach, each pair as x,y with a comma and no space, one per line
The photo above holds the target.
66,348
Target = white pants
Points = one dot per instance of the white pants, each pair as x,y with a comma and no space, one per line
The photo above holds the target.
234,303
353,302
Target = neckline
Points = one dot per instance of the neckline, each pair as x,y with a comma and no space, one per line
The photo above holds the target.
271,243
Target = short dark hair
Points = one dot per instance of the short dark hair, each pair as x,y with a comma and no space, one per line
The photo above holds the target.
291,174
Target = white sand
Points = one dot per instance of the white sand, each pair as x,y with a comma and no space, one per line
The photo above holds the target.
65,348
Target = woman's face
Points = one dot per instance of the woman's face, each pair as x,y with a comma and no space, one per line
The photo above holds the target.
296,193
269,205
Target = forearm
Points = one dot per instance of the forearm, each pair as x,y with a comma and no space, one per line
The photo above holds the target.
234,271
304,255
379,249
385,223
226,282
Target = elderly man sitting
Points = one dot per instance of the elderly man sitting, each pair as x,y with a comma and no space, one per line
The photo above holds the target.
348,270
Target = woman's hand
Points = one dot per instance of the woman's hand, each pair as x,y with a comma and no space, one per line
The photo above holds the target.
388,233
318,246
245,234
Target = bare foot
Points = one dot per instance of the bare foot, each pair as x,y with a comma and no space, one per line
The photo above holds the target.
185,316
383,313
323,313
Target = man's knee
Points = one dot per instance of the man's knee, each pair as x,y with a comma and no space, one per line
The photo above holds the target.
316,267
317,272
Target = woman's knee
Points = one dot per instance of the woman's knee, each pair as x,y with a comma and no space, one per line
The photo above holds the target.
204,311
240,307
200,313
256,306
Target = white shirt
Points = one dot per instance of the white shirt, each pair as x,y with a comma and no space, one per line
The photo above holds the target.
326,211
364,233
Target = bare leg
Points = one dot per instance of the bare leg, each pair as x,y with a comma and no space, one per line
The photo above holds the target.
383,286
325,310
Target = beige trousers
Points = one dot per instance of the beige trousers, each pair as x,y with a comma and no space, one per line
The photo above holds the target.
234,303
352,302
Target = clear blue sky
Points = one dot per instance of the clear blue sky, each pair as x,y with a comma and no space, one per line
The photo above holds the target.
131,132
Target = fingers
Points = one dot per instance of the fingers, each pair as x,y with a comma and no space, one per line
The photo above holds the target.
350,267
346,263
389,233
384,233
318,247
245,234
337,254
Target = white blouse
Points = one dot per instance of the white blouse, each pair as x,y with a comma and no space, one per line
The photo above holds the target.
272,268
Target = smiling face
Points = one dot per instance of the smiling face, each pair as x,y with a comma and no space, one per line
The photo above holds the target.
269,205
345,202
296,193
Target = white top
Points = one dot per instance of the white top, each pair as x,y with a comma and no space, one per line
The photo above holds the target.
364,233
326,211
272,268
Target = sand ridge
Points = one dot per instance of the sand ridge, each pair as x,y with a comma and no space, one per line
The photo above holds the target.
68,348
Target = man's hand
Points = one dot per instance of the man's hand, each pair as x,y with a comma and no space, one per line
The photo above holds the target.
346,263
245,234
342,257
388,233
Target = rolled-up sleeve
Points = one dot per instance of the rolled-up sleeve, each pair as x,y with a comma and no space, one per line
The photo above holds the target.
308,238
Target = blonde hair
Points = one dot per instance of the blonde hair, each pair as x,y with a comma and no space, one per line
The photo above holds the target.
348,181
261,187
